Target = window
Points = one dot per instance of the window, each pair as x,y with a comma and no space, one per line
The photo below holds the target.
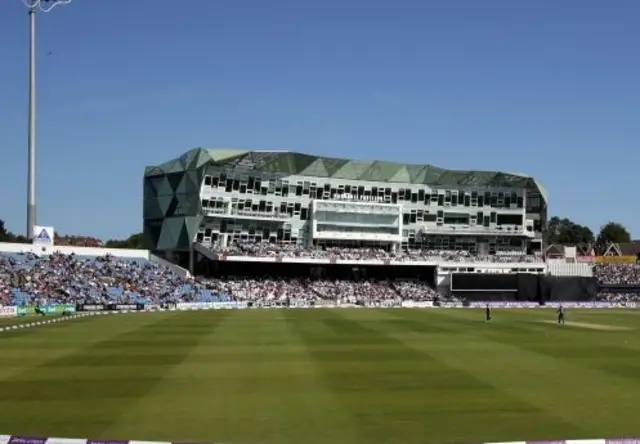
509,219
207,181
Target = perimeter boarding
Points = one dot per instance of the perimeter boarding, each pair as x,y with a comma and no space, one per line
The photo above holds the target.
69,309
50,440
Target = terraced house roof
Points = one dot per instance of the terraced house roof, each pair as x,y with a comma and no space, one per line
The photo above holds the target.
294,163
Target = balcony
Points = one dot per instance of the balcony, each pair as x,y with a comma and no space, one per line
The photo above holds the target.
244,214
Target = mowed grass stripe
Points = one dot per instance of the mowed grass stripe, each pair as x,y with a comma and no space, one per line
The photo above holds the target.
594,402
410,396
38,402
271,395
33,347
613,352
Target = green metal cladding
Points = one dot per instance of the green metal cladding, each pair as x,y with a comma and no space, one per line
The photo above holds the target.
171,204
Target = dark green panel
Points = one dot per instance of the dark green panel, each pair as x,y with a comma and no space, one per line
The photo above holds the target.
164,203
200,157
151,209
149,190
333,165
186,205
187,184
170,232
183,238
191,224
353,169
380,170
161,185
174,180
417,173
152,229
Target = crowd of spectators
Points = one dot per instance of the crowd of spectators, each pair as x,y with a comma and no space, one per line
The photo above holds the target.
261,289
347,291
343,253
618,274
619,297
28,278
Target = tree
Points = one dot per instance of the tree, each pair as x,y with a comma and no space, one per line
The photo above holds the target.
4,234
613,233
8,236
135,241
564,231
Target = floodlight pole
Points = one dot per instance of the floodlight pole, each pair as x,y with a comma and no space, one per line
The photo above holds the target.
31,138
34,6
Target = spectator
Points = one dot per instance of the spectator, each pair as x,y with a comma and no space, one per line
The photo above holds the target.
364,253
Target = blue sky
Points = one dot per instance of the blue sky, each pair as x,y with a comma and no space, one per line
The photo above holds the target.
544,87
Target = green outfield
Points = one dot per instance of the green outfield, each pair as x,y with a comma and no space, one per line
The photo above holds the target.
325,376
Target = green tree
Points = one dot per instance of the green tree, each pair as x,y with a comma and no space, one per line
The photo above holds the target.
564,231
8,236
4,234
135,241
613,233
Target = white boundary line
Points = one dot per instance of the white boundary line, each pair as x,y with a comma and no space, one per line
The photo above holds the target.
22,326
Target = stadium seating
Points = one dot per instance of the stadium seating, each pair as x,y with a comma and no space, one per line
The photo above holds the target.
26,278
273,250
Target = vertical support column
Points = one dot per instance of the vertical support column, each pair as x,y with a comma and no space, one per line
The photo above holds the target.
31,138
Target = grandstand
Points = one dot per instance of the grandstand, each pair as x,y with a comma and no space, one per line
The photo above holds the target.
272,229
281,204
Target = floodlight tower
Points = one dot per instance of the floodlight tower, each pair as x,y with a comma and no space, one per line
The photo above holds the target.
34,6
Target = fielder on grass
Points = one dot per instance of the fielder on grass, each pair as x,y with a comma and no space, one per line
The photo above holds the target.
487,312
561,315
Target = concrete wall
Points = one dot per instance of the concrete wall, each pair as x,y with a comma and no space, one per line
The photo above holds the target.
84,251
